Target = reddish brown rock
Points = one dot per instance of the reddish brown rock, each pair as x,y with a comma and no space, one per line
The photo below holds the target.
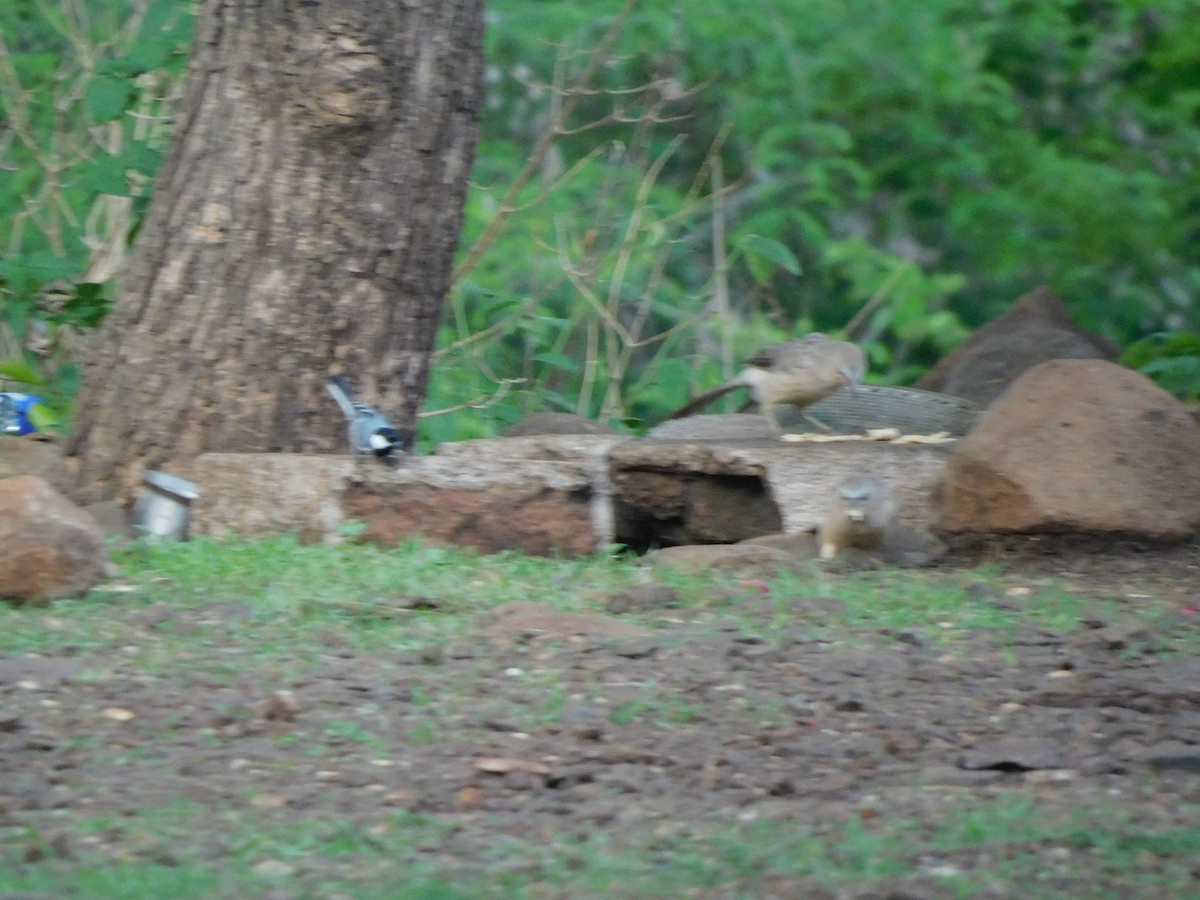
532,518
1036,329
1076,445
482,500
49,547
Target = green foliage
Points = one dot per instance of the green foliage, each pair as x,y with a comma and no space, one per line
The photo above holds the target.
906,170
654,200
1170,358
88,89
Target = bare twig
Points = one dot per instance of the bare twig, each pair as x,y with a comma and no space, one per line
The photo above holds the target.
505,385
532,165
876,299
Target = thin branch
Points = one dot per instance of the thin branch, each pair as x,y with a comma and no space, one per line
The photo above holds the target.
504,386
877,298
532,165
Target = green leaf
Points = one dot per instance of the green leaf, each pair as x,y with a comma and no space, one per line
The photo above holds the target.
105,175
764,255
20,371
43,417
558,361
107,96
40,267
88,307
142,158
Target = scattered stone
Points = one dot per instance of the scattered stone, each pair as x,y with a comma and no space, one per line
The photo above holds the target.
1076,445
798,545
526,619
852,560
1174,756
274,868
702,558
1127,635
641,597
51,547
1014,754
497,765
640,648
911,547
1037,328
280,706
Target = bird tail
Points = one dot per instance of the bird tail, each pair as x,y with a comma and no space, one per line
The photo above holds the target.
342,394
697,404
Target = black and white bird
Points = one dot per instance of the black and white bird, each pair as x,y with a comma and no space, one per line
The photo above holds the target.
370,431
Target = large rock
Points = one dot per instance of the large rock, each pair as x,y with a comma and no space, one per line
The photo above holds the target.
1036,329
49,547
1076,445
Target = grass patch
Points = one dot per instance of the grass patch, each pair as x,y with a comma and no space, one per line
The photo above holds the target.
219,626
969,850
278,595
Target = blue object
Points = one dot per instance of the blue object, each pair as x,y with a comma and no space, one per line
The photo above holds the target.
14,413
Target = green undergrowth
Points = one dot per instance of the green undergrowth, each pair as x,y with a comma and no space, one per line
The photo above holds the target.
285,598
967,850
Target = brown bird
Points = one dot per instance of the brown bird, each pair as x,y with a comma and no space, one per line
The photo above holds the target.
798,372
861,515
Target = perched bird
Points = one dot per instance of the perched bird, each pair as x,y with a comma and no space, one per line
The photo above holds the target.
370,431
861,515
798,372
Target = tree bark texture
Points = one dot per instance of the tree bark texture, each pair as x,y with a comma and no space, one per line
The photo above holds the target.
303,224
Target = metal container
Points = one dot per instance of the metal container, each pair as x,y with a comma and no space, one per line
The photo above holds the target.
164,507
868,406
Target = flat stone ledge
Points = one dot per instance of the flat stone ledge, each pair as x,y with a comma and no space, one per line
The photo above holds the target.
796,483
547,494
267,494
486,497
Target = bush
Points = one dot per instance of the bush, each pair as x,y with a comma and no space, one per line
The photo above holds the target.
659,192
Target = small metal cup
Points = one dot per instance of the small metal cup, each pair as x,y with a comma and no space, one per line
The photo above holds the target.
164,507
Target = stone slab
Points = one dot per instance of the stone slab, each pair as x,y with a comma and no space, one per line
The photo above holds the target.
796,479
547,494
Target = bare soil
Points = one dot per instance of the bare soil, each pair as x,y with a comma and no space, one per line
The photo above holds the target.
545,725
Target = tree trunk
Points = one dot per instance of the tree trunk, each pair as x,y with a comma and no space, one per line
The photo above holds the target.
303,224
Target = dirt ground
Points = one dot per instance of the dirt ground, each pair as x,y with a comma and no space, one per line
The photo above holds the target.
551,724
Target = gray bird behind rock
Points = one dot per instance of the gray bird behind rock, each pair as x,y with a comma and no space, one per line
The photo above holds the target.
370,432
798,372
